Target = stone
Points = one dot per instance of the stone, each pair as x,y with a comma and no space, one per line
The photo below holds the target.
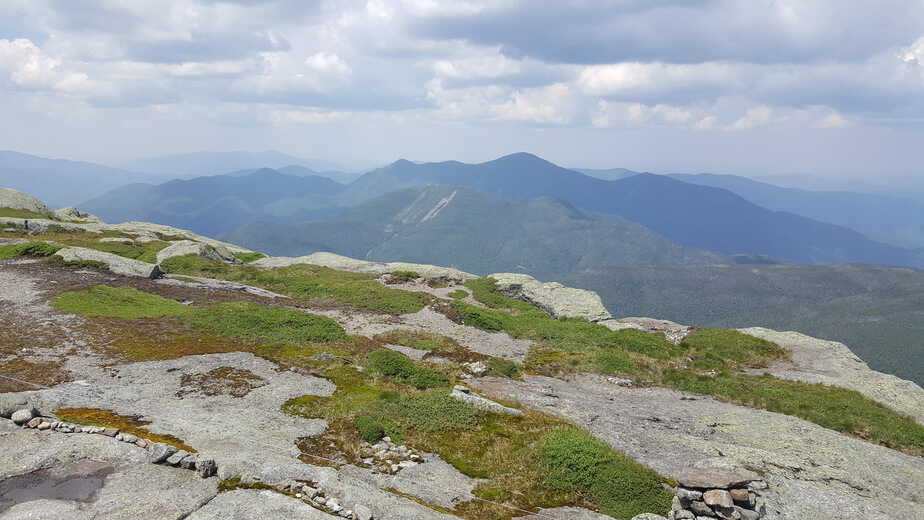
10,403
45,425
215,252
141,443
206,467
74,214
464,394
554,298
22,416
716,478
688,495
648,516
115,263
189,461
701,509
361,512
177,457
34,422
718,497
476,368
740,496
127,437
13,199
683,514
110,432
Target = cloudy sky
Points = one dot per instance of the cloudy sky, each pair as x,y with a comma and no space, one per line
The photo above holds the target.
739,86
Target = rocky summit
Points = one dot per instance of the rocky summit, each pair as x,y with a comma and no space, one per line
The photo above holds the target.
150,372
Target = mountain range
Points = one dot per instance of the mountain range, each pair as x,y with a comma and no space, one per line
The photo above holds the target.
216,204
701,217
215,163
459,227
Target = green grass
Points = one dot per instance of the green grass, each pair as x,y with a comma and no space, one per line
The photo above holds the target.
403,276
273,325
402,369
22,213
307,281
249,257
499,367
575,462
459,294
117,302
729,349
36,249
832,407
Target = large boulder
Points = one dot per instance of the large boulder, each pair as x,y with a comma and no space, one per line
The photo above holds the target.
216,252
343,263
552,297
117,264
13,199
74,214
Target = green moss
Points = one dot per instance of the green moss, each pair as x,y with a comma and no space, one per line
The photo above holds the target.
459,294
249,257
307,281
403,276
401,368
575,462
36,249
117,302
275,325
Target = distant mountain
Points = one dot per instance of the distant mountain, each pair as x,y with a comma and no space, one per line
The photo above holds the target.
215,163
301,171
60,182
886,218
878,311
609,174
695,216
213,205
462,228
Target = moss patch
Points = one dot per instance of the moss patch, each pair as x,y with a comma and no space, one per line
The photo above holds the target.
416,339
231,381
126,424
44,373
35,249
274,325
249,257
117,302
459,294
23,213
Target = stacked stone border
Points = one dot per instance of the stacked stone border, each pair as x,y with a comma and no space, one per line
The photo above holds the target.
729,494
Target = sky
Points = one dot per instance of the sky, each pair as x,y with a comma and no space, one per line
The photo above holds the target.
755,87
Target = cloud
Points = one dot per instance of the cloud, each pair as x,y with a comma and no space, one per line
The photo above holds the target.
28,67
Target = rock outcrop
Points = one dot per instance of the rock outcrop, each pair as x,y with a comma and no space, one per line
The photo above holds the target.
552,297
115,263
219,253
12,199
74,214
343,263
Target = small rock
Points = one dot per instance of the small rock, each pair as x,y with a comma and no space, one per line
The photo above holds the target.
127,437
716,478
309,492
747,514
701,509
386,439
177,457
189,461
683,514
20,417
476,368
687,495
740,496
206,467
141,443
319,500
44,426
648,516
718,497
34,422
160,452
110,432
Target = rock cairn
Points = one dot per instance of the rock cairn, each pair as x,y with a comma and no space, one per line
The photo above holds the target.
311,493
387,457
158,453
729,494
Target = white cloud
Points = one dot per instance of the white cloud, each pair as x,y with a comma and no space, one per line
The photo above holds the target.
554,104
754,117
307,116
328,63
27,66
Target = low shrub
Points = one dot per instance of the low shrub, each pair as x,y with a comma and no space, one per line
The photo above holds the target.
274,325
575,462
117,302
458,294
401,368
36,249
